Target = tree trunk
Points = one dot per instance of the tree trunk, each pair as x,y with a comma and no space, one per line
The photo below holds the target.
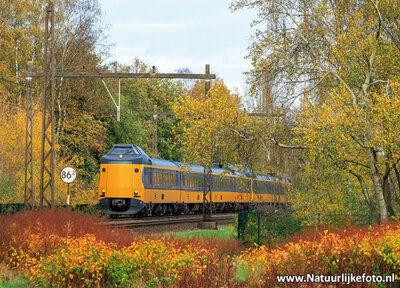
378,185
397,174
388,197
387,192
367,198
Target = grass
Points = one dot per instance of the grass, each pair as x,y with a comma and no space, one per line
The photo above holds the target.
225,232
11,279
17,282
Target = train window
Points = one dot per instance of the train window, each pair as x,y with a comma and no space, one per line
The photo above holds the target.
262,187
147,176
191,181
227,184
162,196
243,185
154,177
187,181
285,189
158,179
200,181
279,188
164,178
123,151
221,183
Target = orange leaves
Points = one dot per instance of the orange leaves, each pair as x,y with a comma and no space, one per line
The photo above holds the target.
38,244
356,251
86,261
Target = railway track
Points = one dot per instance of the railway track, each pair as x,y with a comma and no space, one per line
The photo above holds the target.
168,220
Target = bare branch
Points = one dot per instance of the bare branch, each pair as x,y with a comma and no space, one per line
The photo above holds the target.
286,146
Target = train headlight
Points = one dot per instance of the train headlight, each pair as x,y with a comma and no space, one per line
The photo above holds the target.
135,193
120,156
103,193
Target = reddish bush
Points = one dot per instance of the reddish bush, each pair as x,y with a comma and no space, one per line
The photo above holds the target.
331,252
222,246
49,225
219,269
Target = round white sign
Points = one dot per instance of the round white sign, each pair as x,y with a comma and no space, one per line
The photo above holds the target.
68,174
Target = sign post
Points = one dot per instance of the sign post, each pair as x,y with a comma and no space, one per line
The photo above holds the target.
68,175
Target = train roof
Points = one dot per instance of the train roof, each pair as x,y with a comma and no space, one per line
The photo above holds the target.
164,163
264,177
126,154
133,154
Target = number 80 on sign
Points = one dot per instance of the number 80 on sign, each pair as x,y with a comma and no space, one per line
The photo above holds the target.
68,174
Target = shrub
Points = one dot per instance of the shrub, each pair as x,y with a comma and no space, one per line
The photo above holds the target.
354,251
79,262
275,227
47,225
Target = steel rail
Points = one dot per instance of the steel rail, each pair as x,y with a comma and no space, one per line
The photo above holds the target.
172,220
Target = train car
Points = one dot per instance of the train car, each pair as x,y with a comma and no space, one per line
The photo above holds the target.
133,183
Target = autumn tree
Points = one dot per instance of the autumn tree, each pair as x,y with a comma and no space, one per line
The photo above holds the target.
341,59
80,137
208,126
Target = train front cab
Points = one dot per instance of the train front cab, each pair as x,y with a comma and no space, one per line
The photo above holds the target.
121,185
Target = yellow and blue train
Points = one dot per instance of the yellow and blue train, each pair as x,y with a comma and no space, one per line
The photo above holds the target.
132,183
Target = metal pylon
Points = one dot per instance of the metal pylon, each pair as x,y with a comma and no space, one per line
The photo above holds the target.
47,166
207,192
29,193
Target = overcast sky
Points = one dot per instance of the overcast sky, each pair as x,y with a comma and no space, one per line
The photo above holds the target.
173,34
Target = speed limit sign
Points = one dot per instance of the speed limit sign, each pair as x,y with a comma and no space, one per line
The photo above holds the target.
68,174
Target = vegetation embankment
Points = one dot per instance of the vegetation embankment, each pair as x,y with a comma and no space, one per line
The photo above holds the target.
60,249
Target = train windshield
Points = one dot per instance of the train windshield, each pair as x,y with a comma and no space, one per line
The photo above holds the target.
123,151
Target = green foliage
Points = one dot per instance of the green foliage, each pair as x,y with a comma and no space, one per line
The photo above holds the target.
17,282
275,227
6,189
91,209
129,131
167,133
138,99
121,269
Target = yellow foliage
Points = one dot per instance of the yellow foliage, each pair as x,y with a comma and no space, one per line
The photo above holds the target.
208,124
12,162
